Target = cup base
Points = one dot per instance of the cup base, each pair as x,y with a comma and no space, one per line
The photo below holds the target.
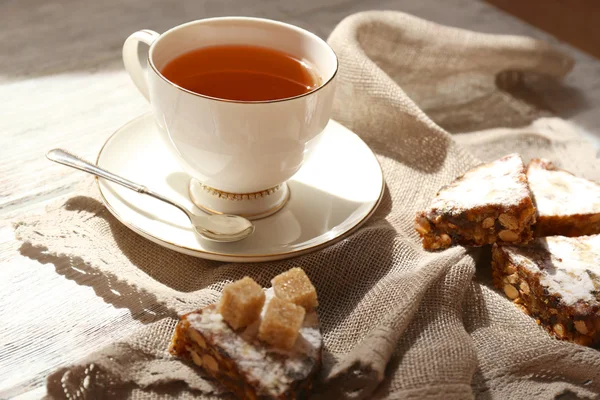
248,205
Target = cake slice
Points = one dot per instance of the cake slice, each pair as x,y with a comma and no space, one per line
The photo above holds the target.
490,203
566,204
556,280
273,354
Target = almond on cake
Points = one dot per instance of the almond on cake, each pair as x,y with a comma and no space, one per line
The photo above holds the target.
488,204
567,205
555,279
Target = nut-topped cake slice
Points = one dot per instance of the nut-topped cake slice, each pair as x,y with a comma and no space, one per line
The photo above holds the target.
557,280
490,203
566,204
254,343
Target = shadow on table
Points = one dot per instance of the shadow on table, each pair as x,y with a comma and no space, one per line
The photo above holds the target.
335,268
143,305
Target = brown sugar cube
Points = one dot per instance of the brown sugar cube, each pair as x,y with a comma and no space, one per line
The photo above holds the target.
294,286
241,302
281,324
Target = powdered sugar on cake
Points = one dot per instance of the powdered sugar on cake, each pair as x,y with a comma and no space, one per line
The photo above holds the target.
274,369
559,193
502,182
569,267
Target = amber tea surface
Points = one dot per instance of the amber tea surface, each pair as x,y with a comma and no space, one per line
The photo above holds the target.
240,72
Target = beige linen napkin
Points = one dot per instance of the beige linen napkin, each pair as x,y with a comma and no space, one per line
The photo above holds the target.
398,322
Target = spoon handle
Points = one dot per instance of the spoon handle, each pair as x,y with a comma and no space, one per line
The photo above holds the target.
201,223
64,157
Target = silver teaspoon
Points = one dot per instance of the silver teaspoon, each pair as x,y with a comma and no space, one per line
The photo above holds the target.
218,227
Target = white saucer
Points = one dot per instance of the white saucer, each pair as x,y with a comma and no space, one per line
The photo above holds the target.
335,191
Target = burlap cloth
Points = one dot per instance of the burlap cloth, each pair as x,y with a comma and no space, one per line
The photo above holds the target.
398,322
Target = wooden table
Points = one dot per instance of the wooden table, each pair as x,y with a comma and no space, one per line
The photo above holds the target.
575,21
62,84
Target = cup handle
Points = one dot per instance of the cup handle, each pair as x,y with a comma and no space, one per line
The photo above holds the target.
132,61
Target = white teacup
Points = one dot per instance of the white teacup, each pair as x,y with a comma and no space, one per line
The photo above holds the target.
238,153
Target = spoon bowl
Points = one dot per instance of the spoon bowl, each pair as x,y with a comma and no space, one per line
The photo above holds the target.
222,227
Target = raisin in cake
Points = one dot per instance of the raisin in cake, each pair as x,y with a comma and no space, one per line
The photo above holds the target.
258,344
566,204
557,280
490,203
